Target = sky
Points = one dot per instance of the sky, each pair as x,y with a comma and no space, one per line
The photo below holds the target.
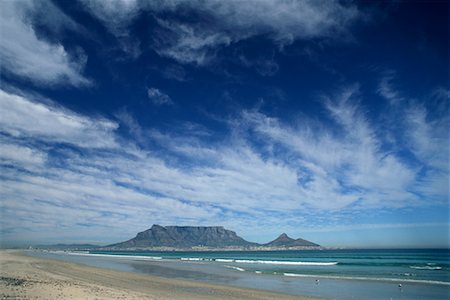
327,120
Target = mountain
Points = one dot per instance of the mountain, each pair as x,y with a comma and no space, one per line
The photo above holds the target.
184,237
203,238
285,241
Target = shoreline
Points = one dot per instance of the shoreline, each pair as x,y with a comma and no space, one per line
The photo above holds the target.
29,277
263,262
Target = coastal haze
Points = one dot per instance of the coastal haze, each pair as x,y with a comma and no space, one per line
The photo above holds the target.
299,147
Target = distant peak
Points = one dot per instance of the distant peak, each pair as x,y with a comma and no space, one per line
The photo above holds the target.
284,237
156,226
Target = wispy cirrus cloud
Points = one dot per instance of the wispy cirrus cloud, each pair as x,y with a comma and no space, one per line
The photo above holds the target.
24,118
30,57
21,155
78,170
227,22
387,90
348,163
425,135
158,97
118,15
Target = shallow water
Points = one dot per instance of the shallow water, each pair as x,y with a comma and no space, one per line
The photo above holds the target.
330,274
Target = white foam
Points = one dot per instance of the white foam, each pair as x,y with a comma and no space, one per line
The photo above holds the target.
426,267
194,259
281,262
269,262
368,278
258,272
294,275
224,260
236,268
244,261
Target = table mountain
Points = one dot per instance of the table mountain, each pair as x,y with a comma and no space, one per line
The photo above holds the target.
206,237
184,237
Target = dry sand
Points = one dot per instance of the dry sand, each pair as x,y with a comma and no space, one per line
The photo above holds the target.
24,277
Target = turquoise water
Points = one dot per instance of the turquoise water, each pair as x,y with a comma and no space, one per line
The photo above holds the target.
430,265
327,274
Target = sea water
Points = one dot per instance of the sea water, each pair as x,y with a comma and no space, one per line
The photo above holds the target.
330,274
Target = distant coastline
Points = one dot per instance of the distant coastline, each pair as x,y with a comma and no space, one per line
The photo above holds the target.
210,249
172,249
192,238
204,238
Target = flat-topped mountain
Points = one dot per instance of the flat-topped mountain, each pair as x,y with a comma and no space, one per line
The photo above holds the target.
285,241
184,237
203,237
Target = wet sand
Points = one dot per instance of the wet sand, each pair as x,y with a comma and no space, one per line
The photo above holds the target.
24,277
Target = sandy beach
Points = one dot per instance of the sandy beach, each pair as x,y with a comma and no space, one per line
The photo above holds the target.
24,277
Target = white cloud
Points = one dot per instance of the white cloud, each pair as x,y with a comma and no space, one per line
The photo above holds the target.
32,58
127,187
426,136
21,155
114,12
233,21
158,98
46,14
189,43
23,118
386,89
266,173
346,165
227,22
441,93
118,15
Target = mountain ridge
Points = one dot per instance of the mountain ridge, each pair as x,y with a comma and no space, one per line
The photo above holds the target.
286,241
202,237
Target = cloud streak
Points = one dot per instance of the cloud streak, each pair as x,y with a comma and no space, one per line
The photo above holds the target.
229,22
27,119
226,23
158,98
348,166
32,58
80,172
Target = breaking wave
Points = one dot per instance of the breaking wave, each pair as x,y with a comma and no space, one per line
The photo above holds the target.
267,262
281,262
426,267
235,268
368,278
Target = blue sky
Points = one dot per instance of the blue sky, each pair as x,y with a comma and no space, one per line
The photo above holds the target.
327,120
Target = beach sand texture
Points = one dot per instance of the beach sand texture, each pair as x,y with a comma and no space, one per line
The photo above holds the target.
24,277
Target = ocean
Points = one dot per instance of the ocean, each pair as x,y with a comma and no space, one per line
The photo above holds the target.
329,274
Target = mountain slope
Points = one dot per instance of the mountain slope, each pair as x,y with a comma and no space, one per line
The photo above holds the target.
184,237
285,241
